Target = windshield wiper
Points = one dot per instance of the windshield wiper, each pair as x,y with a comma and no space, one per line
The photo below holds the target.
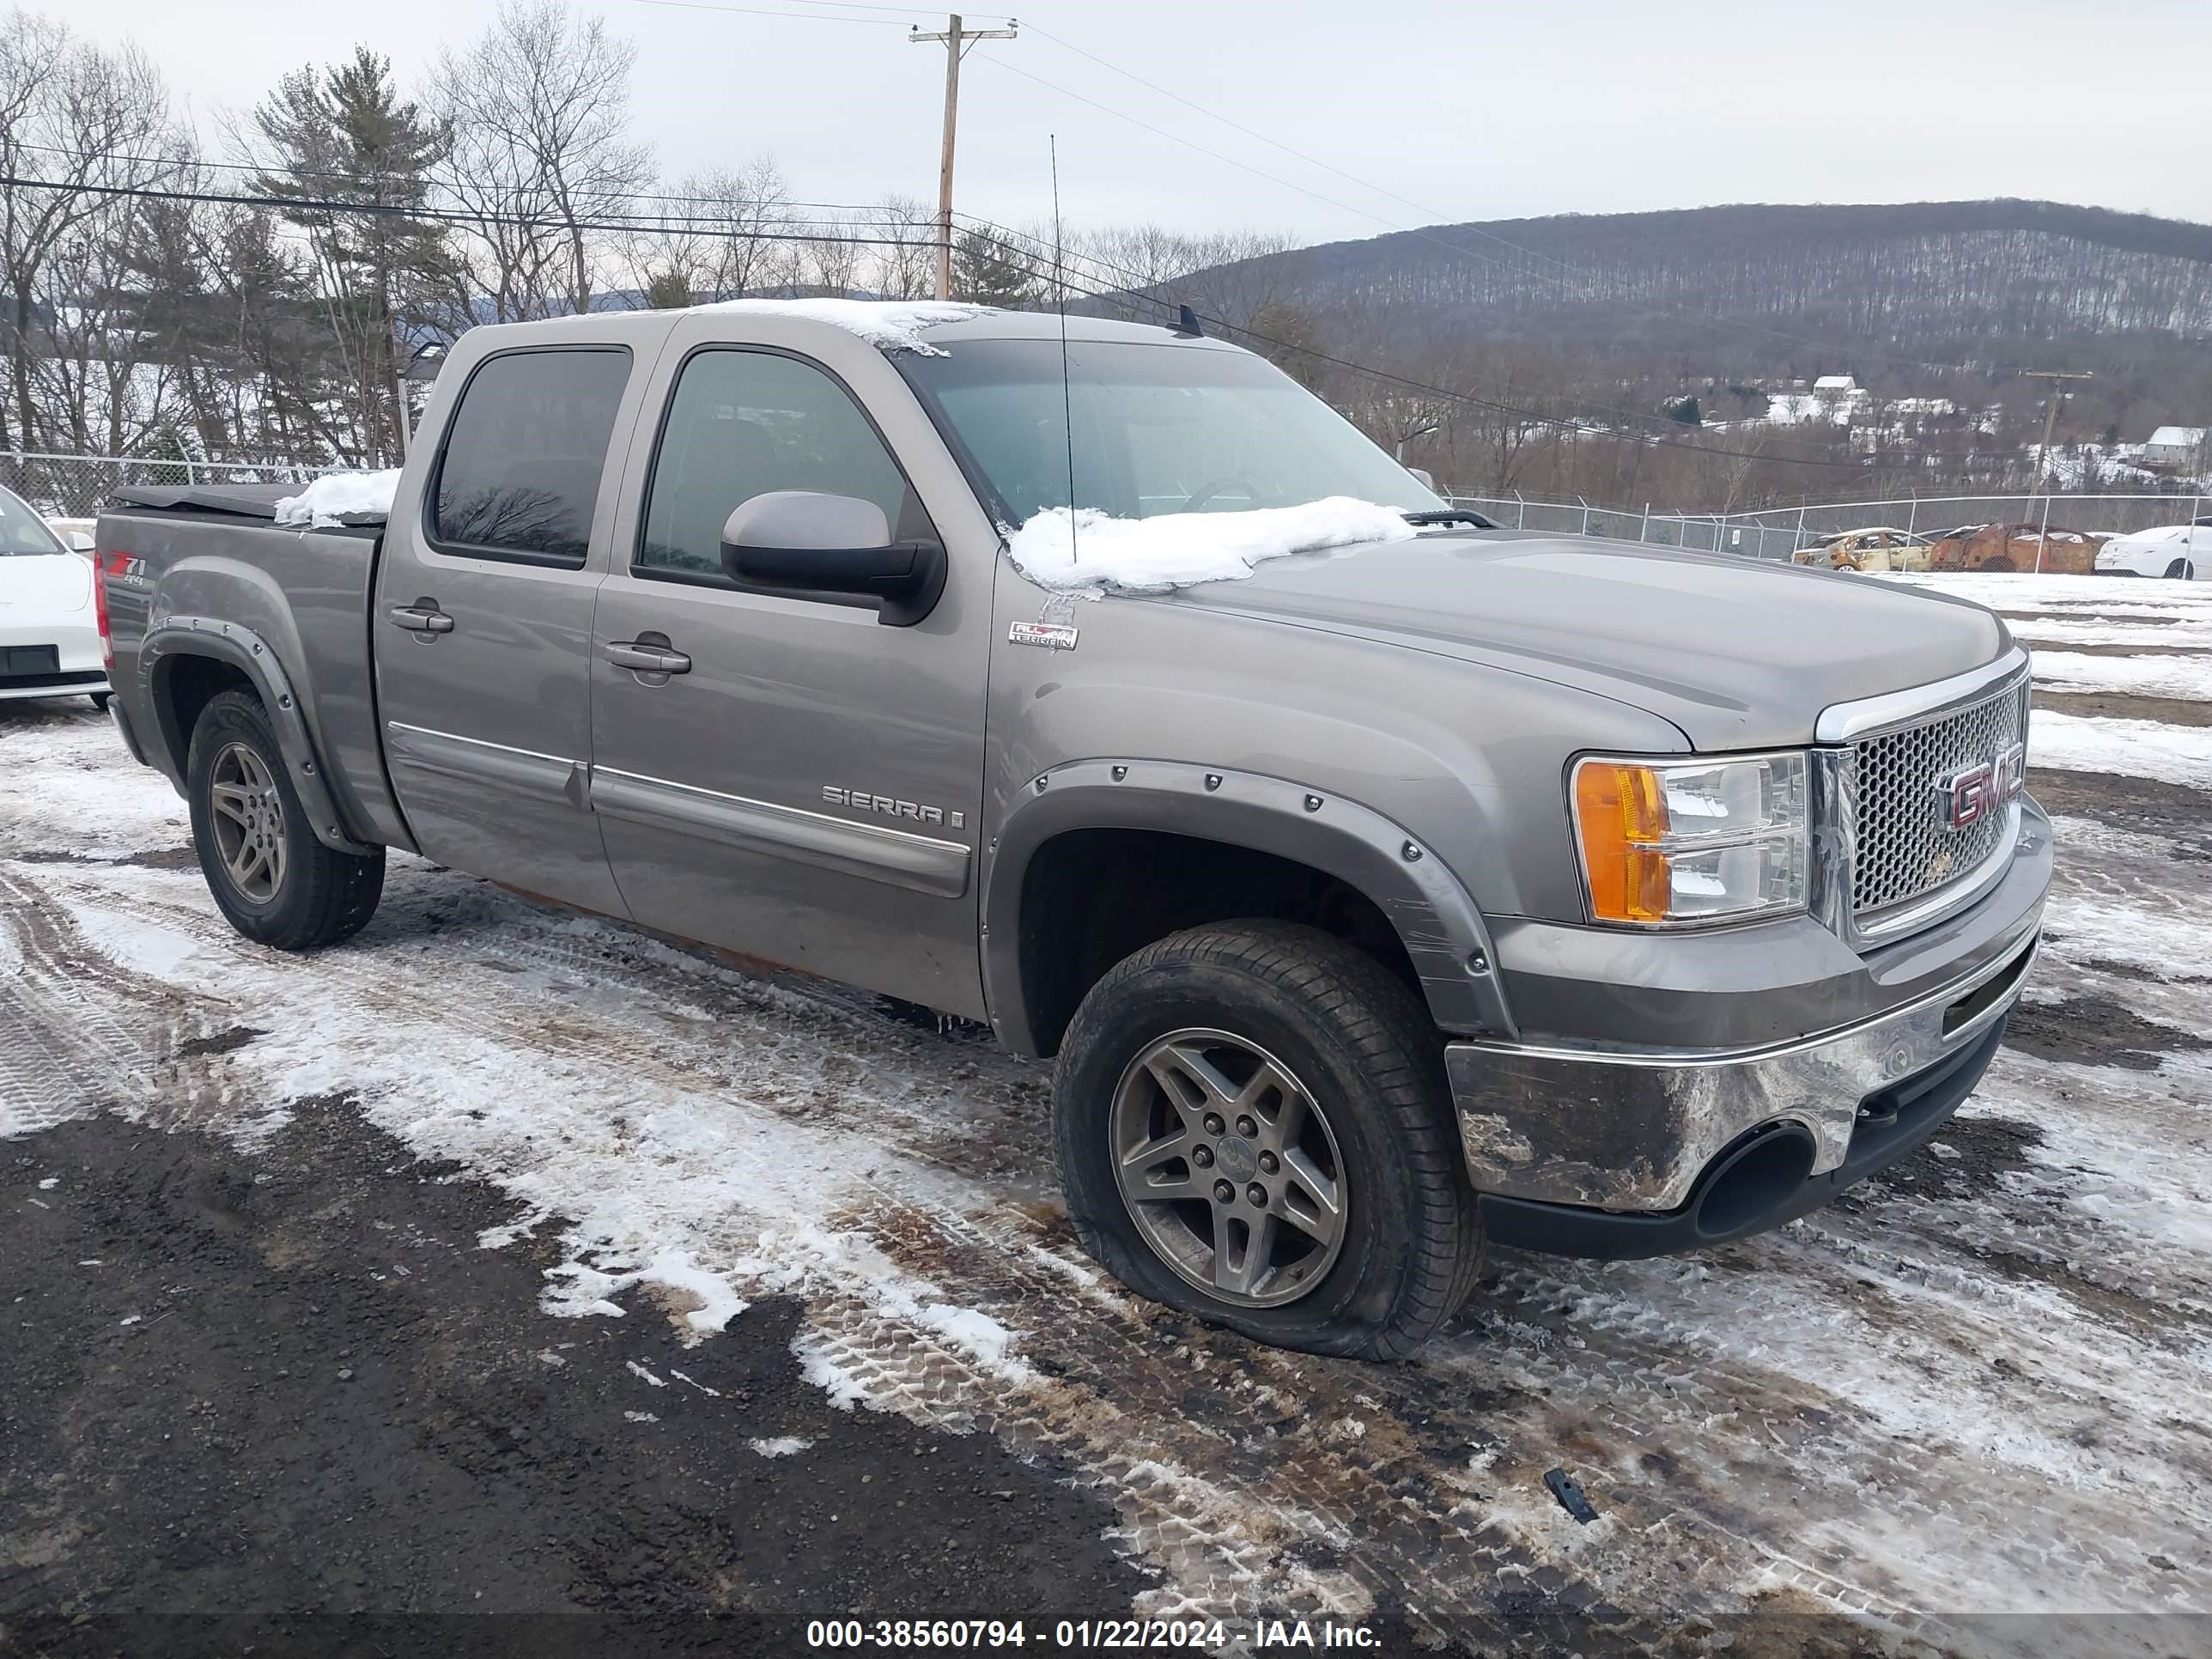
1451,515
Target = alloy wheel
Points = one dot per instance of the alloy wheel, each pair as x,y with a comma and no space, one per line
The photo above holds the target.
1229,1167
249,823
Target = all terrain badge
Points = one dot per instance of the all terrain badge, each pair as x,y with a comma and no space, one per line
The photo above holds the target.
1052,636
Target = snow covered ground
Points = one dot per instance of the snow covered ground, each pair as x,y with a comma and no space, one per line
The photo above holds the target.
2146,640
1975,1387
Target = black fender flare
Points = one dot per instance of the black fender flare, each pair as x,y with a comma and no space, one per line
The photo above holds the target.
246,650
1437,921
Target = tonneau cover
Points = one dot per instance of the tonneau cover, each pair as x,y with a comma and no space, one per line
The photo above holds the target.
252,500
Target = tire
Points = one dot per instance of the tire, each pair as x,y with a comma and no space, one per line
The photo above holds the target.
1359,1050
2179,571
100,700
298,895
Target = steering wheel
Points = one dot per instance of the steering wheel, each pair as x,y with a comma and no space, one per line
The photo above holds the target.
1206,492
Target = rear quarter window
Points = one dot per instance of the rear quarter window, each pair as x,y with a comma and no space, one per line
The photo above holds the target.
519,470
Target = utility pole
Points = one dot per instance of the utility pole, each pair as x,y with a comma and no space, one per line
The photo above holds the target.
955,38
2058,377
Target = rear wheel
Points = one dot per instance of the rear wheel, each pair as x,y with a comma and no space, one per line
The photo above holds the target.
100,700
271,879
2179,571
1253,1125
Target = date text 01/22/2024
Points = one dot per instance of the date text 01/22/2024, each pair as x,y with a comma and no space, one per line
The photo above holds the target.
1087,1635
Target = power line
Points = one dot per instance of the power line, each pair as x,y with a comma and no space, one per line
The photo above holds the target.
835,5
187,162
443,215
761,11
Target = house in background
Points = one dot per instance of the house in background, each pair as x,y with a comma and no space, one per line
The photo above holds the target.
1842,396
2176,449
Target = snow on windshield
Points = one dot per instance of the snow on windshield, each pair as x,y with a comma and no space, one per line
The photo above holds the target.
1088,552
887,324
337,497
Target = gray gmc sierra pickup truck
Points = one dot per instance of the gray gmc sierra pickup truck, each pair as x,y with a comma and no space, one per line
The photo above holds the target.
1593,898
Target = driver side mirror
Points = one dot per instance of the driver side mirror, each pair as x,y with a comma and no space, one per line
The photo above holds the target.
78,542
809,544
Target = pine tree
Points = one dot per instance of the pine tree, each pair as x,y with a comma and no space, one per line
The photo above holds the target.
667,290
343,141
994,273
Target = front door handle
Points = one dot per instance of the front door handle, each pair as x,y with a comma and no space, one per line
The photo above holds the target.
646,656
422,617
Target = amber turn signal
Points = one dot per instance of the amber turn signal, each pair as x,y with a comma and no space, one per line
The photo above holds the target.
1621,813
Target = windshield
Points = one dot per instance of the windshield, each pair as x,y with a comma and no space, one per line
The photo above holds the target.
23,532
1158,428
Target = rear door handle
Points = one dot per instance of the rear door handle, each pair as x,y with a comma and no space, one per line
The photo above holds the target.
647,657
422,617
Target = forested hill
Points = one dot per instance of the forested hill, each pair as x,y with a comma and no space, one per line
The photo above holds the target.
1954,278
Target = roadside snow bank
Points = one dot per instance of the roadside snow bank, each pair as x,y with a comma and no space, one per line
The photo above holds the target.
336,496
887,324
1085,552
2133,749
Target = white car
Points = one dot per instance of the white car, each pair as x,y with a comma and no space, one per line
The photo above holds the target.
49,629
2180,551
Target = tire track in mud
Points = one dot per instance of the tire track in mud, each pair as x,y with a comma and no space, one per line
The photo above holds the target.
800,1056
1236,1470
63,1050
1766,1442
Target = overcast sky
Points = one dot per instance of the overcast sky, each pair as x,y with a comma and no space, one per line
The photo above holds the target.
1471,111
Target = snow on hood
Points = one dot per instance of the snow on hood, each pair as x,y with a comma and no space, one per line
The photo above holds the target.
887,324
1085,552
337,497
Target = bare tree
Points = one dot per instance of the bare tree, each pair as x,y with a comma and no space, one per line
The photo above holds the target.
77,124
906,265
714,236
540,110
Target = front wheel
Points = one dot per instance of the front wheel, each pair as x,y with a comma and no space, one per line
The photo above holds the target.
271,879
1253,1125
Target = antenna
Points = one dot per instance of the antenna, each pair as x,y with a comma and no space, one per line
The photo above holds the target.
1066,401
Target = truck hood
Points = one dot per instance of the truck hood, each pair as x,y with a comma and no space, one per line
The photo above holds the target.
1736,653
37,585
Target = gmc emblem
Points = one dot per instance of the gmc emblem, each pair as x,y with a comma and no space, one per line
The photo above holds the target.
1964,798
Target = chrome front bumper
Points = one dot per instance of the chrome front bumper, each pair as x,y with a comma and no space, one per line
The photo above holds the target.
1622,1129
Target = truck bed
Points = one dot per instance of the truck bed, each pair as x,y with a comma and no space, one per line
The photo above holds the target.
216,553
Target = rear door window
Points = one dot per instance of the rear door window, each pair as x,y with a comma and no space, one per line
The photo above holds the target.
518,476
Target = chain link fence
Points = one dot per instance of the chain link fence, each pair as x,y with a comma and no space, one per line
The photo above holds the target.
1778,533
78,486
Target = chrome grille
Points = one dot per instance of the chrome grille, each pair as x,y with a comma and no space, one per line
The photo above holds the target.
1905,850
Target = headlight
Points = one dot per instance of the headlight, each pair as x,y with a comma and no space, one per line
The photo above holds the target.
1692,841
